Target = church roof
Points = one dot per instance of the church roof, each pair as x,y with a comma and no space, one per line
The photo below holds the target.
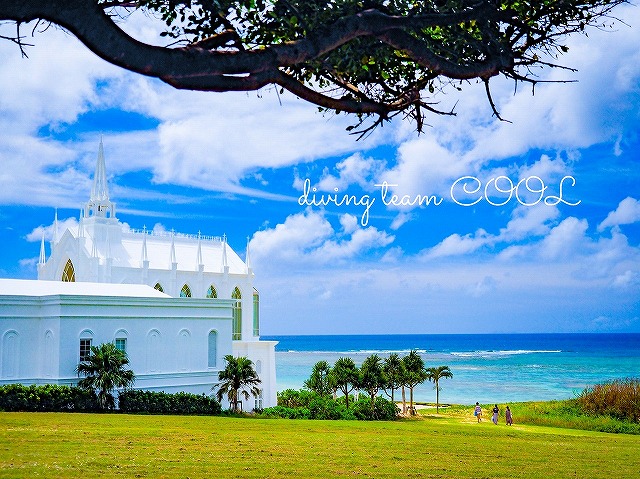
28,287
159,249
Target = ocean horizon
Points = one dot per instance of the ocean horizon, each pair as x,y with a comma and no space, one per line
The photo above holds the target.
488,368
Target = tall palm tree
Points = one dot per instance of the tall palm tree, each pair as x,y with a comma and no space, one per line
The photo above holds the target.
104,371
372,378
395,371
435,374
415,374
320,381
238,377
345,376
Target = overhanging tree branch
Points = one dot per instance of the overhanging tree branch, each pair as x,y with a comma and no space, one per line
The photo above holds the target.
337,55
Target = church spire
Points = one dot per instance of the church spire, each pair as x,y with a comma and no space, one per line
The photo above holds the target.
43,258
199,254
99,204
247,258
54,238
145,257
172,253
225,263
100,190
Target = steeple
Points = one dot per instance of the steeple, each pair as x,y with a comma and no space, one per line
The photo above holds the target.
247,258
99,204
172,253
43,258
100,189
225,263
145,258
199,254
54,237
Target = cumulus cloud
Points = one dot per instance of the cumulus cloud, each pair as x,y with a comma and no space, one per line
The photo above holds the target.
48,231
309,238
627,212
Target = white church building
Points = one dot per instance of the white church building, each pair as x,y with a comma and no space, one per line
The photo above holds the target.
176,303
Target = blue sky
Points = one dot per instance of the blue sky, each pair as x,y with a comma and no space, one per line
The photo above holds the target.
236,164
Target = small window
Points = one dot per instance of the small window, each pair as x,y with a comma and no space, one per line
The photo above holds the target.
69,273
121,344
85,349
211,292
185,292
159,287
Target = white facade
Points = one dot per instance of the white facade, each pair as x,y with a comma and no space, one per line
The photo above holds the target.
193,285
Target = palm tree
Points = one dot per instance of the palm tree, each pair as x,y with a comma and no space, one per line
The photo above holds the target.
435,374
345,376
237,376
320,381
394,370
372,378
416,374
104,371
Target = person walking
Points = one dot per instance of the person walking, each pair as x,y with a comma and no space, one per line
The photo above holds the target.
477,412
496,412
508,417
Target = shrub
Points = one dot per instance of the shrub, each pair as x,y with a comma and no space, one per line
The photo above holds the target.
286,412
619,399
293,399
46,398
150,402
383,409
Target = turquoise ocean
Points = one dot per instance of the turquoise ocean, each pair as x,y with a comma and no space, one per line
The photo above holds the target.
487,368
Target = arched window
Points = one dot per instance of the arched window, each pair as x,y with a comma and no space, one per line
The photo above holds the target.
213,349
10,354
237,314
86,341
211,292
256,312
121,340
48,354
184,350
153,350
185,292
69,273
159,287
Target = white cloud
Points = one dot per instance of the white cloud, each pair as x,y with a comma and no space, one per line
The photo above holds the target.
48,231
308,238
353,170
627,212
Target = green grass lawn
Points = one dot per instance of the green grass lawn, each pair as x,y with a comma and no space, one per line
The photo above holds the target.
448,445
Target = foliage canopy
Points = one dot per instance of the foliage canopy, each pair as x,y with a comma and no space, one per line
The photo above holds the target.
373,58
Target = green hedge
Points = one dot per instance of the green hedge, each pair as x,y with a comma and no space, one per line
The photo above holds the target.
48,397
134,401
304,404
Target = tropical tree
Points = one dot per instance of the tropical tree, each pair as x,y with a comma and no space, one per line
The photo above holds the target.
374,57
345,376
394,371
320,381
104,370
237,378
415,374
372,378
435,374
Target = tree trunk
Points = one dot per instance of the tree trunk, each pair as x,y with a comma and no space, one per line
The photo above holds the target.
404,402
437,398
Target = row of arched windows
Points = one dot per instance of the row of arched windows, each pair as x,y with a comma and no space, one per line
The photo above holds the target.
69,275
185,291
